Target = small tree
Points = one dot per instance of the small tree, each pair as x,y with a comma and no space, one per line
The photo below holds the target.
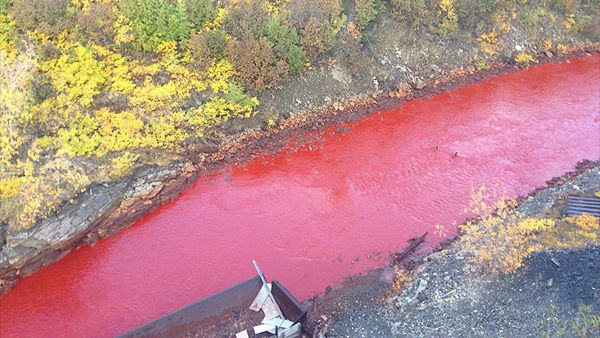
16,74
208,46
317,22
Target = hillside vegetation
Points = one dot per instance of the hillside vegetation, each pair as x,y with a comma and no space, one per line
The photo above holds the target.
93,89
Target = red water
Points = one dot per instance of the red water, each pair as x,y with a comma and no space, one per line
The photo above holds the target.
308,216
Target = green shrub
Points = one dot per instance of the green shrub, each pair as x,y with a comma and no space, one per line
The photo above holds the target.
366,11
235,95
155,21
285,40
6,29
200,12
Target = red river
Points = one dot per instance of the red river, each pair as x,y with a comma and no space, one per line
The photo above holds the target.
312,217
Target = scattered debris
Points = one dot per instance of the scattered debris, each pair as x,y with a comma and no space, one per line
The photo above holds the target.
414,243
275,322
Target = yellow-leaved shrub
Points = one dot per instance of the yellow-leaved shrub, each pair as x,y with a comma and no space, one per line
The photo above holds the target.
498,240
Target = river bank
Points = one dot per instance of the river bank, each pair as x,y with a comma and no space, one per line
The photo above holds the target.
106,209
555,293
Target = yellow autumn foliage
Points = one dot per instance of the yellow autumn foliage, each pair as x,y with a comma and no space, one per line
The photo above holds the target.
10,187
76,75
523,59
587,222
7,43
450,18
488,43
16,91
501,237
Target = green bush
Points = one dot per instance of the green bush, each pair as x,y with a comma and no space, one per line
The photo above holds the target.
284,41
235,95
155,21
366,11
6,29
200,12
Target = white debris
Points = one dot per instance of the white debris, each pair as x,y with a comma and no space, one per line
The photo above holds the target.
263,328
270,309
274,321
292,332
279,322
242,334
260,299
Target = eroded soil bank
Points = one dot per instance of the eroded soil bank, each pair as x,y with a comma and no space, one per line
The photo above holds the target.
392,177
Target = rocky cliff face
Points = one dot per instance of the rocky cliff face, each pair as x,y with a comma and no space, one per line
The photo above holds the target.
101,212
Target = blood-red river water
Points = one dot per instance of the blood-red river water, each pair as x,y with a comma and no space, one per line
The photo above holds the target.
314,216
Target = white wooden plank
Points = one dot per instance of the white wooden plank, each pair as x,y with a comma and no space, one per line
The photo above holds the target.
272,321
269,309
292,332
263,328
260,298
242,334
